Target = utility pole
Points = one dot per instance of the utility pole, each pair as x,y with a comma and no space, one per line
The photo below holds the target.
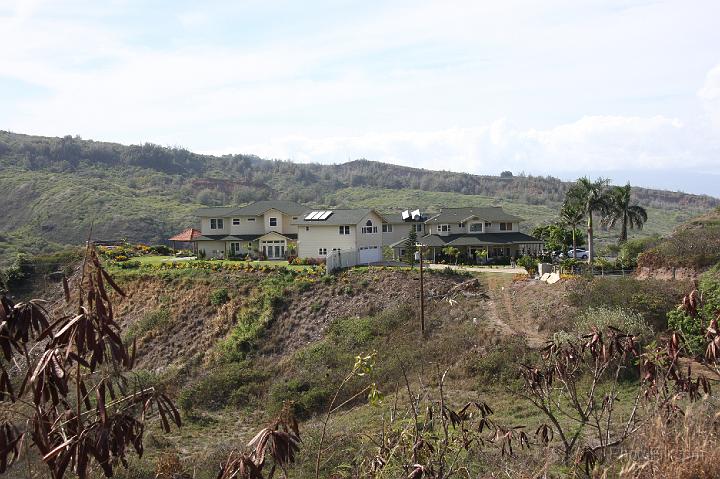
422,289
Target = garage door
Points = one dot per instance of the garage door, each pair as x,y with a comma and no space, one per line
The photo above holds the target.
370,254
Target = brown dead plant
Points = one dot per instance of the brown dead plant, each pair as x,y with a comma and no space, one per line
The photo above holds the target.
279,441
73,403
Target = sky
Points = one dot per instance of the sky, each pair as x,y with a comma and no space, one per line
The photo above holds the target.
623,89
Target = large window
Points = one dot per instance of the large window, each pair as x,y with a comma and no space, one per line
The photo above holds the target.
476,227
273,221
216,224
344,230
369,228
505,226
418,227
443,228
386,228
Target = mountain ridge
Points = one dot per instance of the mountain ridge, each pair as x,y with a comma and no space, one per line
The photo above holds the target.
57,187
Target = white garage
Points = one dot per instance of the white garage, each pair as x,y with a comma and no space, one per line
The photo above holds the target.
370,254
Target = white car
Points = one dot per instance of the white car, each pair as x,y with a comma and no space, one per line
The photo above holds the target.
579,254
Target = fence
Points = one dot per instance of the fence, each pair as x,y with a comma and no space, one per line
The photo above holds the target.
339,259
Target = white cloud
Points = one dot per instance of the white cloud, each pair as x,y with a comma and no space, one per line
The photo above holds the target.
710,95
545,87
593,143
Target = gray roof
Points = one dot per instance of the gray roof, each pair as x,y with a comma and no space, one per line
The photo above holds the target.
458,215
259,207
253,209
338,217
396,218
474,239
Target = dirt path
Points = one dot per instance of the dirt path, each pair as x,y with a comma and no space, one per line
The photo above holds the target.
503,315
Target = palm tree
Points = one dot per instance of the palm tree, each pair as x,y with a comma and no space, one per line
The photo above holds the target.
572,216
624,211
592,198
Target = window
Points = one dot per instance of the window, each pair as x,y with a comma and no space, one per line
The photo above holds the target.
236,221
307,228
502,226
369,228
216,224
488,225
443,228
345,230
505,226
387,228
322,251
273,221
418,227
476,227
234,248
251,219
294,218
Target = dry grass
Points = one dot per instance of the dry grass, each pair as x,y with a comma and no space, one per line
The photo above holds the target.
684,447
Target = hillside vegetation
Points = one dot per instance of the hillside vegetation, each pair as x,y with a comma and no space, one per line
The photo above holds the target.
233,347
693,247
54,189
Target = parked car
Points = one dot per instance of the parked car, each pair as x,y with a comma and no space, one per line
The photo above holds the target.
580,253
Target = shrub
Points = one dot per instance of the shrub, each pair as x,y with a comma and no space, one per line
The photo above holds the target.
500,365
161,249
627,321
152,321
529,263
127,264
231,384
693,328
219,297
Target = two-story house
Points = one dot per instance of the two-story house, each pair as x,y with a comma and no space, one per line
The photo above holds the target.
475,229
353,230
395,228
262,227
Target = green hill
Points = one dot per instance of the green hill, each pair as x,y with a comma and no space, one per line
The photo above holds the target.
56,189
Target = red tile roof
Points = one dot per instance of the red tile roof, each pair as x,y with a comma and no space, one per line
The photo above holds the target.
189,234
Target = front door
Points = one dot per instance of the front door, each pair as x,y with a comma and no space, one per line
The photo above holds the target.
274,249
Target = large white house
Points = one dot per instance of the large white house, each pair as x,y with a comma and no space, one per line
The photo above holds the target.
262,228
276,229
487,230
346,230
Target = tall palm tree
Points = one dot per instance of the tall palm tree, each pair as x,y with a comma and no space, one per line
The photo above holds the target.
592,198
572,216
623,210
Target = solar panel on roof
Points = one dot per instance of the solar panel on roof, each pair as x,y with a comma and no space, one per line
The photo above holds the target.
316,215
310,215
325,215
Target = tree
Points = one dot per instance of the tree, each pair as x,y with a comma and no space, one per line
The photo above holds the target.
592,198
624,211
572,216
410,247
452,252
76,406
556,236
